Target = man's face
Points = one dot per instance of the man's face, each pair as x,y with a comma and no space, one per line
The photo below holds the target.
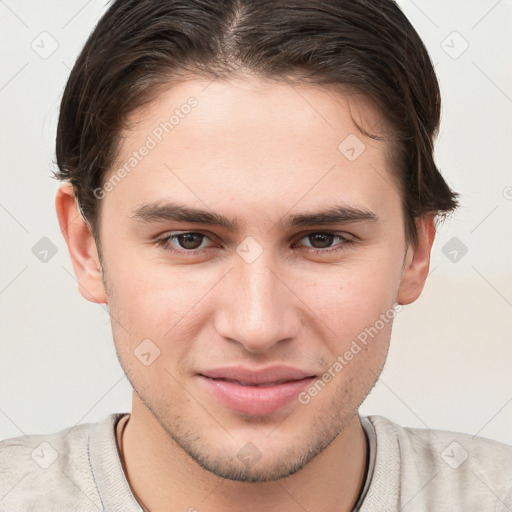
264,293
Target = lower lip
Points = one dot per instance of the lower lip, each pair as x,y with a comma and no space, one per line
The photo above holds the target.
255,400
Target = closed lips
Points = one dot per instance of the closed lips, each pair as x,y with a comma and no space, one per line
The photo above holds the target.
254,384
244,376
253,391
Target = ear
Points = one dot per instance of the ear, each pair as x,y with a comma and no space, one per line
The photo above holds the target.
417,262
81,245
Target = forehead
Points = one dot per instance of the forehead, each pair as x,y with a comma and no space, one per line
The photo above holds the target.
254,142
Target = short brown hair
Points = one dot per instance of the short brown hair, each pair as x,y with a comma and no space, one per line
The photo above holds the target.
365,46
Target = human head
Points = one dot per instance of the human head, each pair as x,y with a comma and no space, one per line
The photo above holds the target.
141,46
365,69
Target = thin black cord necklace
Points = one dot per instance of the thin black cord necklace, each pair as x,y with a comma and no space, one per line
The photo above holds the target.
120,432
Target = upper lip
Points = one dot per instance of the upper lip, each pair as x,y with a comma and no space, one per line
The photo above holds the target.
271,374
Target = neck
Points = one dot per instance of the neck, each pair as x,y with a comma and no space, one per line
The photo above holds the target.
160,473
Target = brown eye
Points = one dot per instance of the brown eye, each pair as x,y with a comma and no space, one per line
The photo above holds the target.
189,241
183,243
321,240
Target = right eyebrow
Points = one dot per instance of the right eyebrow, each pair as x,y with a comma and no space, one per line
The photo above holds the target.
170,211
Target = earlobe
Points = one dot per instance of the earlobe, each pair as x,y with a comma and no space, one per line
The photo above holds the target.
417,262
81,245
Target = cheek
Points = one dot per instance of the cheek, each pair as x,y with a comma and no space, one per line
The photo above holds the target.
349,298
147,308
158,301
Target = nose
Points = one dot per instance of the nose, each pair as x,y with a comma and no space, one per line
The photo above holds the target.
258,309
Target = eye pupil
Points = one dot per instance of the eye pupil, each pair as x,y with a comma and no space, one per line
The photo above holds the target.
325,239
189,240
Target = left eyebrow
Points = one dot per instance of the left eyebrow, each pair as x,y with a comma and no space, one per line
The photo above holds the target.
333,215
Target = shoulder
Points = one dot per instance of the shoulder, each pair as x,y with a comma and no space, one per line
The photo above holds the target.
49,471
449,470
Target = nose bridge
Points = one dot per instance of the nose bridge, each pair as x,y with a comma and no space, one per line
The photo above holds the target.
259,310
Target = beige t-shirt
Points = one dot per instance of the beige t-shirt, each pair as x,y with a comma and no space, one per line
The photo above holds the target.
411,470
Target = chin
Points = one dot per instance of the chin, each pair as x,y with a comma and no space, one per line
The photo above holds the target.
250,463
257,471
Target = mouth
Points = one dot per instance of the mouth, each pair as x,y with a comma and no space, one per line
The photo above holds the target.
255,392
252,384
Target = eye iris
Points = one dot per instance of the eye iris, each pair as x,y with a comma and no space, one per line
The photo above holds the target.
190,240
325,239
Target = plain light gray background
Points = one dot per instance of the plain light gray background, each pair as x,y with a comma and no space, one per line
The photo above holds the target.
450,358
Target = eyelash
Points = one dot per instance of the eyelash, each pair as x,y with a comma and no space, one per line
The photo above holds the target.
164,242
